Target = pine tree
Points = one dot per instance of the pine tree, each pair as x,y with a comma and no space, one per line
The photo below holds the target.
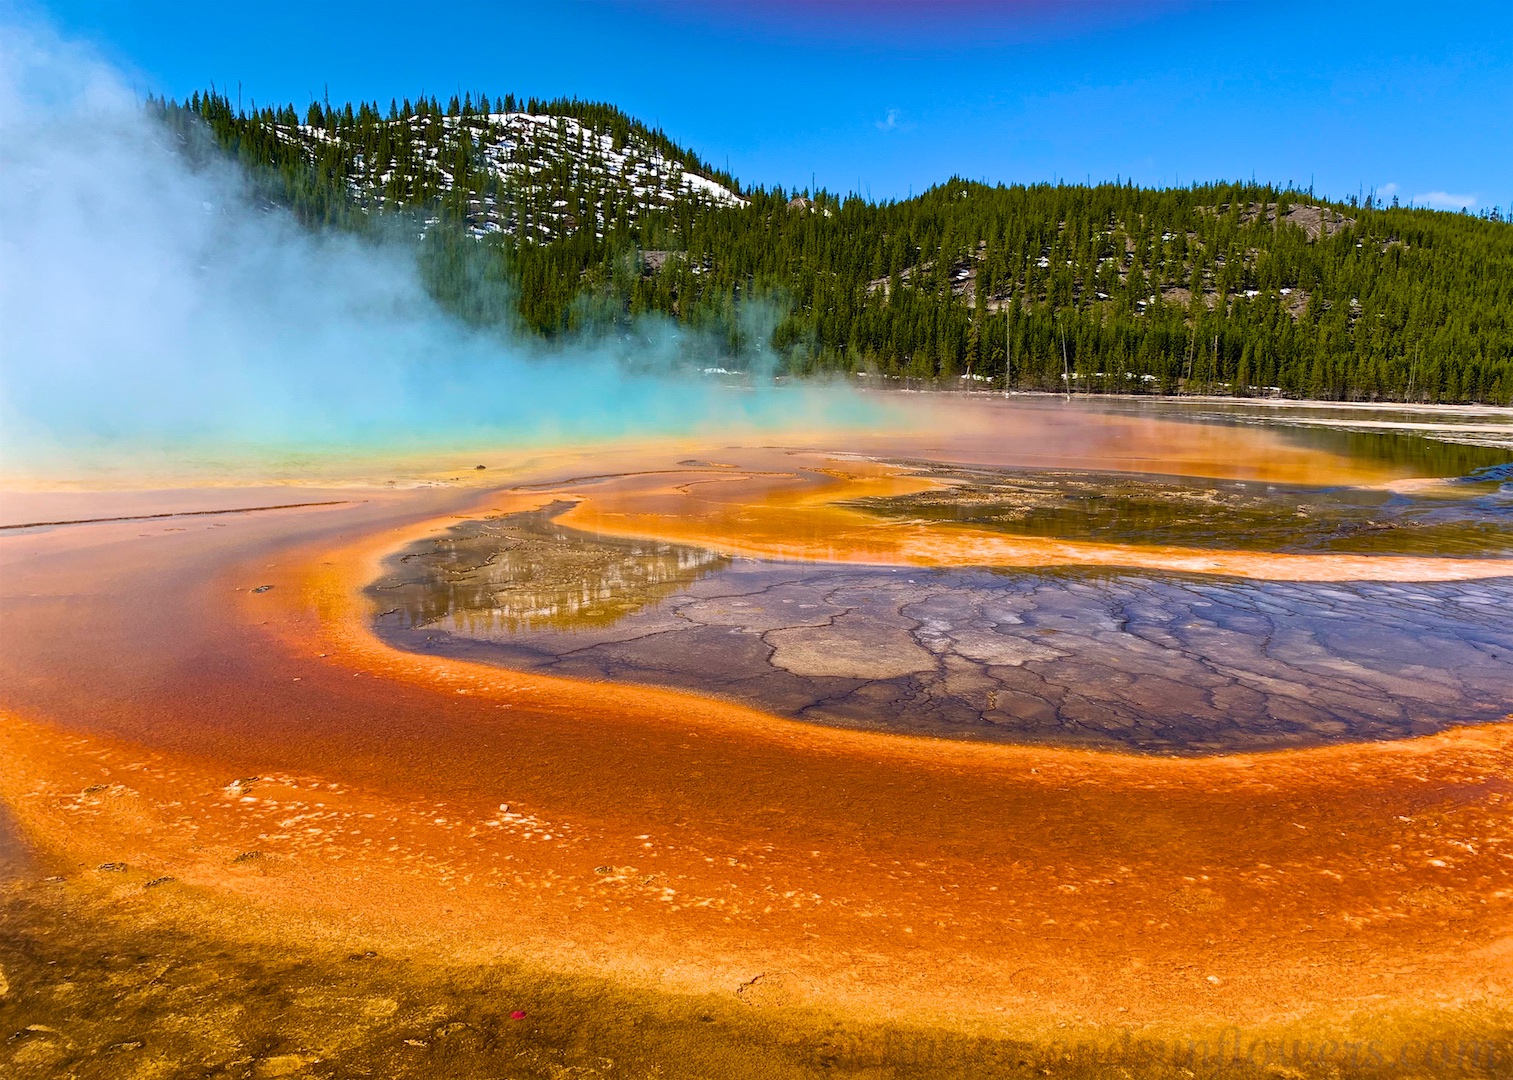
1253,286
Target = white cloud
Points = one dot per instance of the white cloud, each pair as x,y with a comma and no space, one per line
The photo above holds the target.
889,122
1386,191
1445,200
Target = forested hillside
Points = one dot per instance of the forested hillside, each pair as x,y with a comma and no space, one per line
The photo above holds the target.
586,218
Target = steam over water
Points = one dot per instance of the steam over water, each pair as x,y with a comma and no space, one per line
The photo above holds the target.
153,306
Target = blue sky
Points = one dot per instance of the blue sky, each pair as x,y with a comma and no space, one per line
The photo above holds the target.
1413,100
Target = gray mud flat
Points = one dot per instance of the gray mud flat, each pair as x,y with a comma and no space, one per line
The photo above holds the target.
1152,663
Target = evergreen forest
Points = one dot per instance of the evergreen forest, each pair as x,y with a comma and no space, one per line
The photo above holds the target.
552,217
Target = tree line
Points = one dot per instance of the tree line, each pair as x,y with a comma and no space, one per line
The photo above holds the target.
1230,288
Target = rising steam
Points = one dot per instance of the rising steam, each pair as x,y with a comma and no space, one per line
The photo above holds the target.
148,303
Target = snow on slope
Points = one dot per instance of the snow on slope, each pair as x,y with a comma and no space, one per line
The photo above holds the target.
531,176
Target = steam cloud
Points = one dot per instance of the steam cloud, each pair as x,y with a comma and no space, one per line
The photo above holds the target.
145,303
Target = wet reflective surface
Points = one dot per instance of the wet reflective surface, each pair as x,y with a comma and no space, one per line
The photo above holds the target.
526,573
1424,441
1155,663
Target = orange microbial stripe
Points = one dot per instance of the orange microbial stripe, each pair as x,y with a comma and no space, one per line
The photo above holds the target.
795,516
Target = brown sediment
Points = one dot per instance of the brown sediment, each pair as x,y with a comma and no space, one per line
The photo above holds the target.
161,714
117,982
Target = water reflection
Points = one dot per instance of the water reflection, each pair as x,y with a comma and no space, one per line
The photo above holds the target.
525,572
1415,441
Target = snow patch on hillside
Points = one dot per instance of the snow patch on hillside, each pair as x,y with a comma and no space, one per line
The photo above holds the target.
547,175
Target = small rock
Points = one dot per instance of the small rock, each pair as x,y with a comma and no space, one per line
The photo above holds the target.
155,882
129,1044
480,466
517,1015
248,856
112,867
262,588
284,1064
